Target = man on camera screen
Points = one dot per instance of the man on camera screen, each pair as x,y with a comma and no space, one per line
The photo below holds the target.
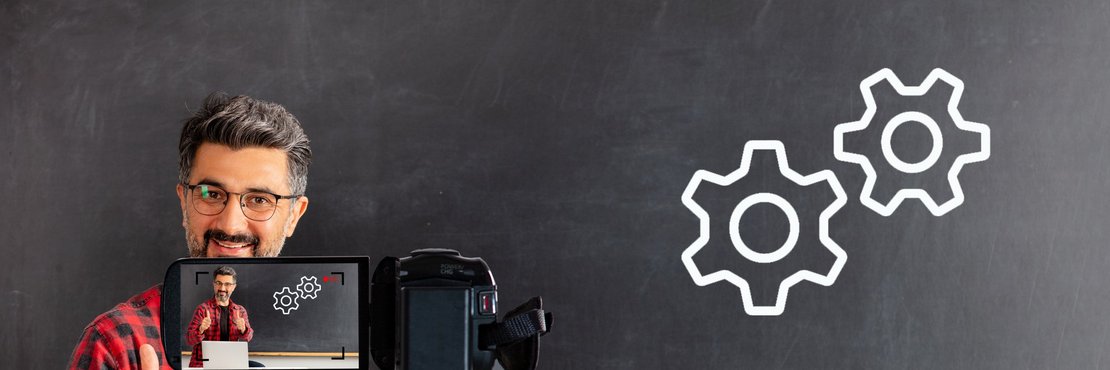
218,318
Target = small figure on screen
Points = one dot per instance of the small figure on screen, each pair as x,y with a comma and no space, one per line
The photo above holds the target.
218,318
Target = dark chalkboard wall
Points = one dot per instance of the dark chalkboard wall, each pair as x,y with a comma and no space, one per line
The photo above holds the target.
555,138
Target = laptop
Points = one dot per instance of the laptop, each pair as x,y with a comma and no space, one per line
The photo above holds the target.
224,355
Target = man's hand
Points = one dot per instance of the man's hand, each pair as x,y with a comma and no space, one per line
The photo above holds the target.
148,358
240,323
204,324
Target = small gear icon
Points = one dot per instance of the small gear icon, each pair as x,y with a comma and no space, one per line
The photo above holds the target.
285,300
308,287
776,200
934,130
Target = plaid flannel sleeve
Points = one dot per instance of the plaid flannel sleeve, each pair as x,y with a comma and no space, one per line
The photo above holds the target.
113,339
193,334
92,352
248,334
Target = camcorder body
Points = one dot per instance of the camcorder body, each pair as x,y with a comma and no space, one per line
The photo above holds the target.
433,309
425,311
436,309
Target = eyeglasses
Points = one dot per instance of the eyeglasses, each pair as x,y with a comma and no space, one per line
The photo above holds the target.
222,285
210,200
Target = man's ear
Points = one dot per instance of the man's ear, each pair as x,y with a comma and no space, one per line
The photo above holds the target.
298,209
181,197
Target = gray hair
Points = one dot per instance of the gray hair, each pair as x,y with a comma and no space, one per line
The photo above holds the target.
239,122
226,271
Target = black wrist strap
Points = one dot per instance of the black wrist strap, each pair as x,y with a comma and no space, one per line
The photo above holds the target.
517,338
522,326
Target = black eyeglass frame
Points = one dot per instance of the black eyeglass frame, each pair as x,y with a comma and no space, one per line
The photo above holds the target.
242,203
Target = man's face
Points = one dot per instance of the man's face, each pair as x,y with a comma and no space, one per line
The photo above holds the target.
223,286
230,233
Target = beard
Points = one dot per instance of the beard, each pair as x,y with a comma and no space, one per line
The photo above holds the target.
198,246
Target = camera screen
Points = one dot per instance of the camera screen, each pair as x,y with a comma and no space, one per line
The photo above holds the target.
301,315
436,331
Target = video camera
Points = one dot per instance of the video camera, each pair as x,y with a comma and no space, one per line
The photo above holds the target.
433,309
436,309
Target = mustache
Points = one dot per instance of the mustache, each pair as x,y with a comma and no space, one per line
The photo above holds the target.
225,237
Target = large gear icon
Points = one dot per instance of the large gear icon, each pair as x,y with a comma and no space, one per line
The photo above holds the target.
285,300
774,199
912,168
308,287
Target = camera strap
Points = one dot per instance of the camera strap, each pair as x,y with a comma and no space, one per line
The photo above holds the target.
517,337
516,328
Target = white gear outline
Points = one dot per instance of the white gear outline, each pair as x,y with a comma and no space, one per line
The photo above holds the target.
308,287
953,172
703,238
285,308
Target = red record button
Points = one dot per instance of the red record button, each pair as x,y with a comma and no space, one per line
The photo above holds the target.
487,303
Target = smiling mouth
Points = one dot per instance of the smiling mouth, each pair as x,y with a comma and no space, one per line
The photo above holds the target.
218,248
230,245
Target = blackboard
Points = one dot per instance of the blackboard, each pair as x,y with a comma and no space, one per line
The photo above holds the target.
321,318
555,140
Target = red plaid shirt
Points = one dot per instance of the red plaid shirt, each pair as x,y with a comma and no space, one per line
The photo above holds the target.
112,340
209,308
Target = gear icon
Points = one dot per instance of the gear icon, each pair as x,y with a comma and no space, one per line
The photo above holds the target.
934,130
308,287
285,301
776,200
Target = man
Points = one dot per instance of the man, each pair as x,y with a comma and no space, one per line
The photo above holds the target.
236,154
218,318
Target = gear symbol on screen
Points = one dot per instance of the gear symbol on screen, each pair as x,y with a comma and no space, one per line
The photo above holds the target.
308,287
285,300
934,130
774,199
